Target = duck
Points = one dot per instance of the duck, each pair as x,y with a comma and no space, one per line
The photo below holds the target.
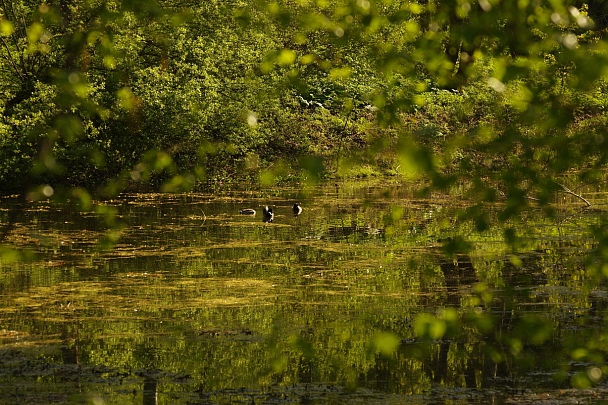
267,214
247,211
297,209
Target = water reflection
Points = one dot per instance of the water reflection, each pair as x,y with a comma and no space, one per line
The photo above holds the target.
150,391
199,303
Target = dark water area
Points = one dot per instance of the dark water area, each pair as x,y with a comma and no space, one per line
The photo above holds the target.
365,297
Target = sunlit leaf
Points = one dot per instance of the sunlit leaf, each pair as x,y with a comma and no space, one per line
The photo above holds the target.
126,98
386,343
340,73
580,380
6,27
286,57
429,327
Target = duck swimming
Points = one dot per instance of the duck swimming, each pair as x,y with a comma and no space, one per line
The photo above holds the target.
297,209
267,214
247,211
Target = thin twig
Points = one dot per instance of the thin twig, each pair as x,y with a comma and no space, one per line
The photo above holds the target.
572,193
9,58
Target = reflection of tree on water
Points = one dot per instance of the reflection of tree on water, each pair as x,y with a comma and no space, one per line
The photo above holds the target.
468,356
150,391
457,272
479,359
147,354
70,352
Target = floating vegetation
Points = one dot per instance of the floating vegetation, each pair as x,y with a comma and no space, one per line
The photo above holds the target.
355,299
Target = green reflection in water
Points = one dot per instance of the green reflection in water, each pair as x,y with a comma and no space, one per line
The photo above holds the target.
198,304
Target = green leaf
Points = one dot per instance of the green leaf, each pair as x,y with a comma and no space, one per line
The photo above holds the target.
6,28
386,343
286,57
427,326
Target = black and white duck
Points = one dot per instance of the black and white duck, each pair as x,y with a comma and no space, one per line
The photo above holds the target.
267,214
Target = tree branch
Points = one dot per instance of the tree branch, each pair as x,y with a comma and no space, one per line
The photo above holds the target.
566,190
10,59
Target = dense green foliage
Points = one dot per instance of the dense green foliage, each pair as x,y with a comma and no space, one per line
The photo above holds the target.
110,91
113,93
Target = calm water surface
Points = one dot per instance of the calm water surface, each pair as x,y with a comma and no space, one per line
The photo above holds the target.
197,304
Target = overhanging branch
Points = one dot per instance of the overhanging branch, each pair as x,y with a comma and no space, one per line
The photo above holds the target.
566,190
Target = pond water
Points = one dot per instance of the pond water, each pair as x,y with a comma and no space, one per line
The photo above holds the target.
358,299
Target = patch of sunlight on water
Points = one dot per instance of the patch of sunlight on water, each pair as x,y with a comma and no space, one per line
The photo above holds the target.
199,304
